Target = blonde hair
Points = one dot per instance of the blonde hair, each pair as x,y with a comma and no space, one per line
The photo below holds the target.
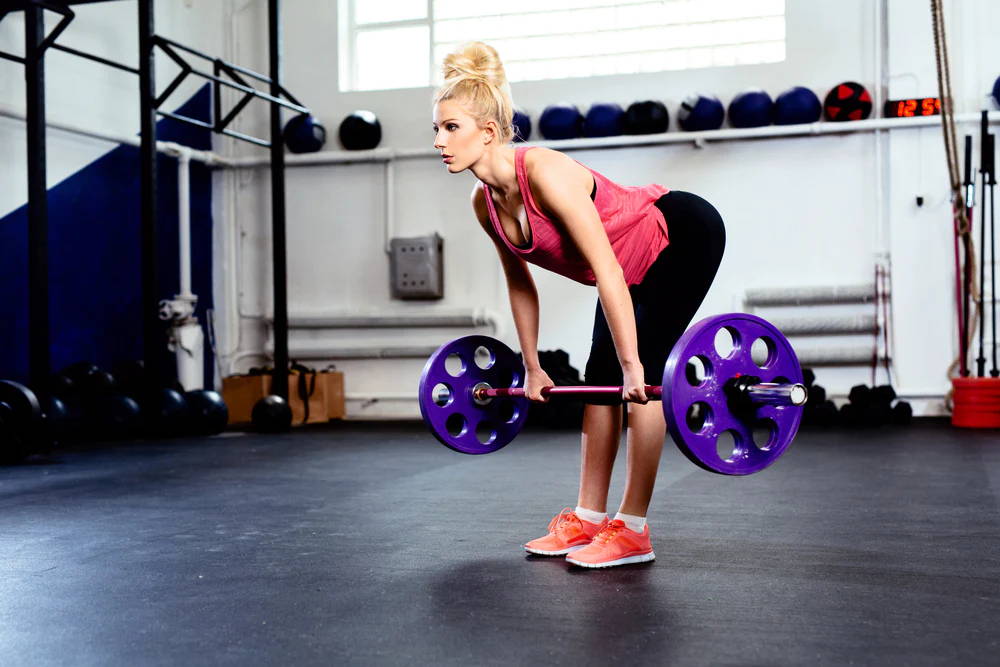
474,76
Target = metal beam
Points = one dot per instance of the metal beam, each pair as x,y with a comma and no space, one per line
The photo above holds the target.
38,222
280,381
152,329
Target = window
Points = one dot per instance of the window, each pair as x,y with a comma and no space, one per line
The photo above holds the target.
401,43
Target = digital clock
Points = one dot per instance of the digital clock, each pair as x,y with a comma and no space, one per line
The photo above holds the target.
916,106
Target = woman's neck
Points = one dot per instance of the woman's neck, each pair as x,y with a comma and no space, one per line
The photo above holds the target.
496,169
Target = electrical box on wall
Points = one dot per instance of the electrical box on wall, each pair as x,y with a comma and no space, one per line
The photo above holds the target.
417,267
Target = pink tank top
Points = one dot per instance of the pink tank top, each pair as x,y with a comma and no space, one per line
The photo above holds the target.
635,227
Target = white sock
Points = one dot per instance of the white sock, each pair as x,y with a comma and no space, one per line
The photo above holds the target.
636,523
590,515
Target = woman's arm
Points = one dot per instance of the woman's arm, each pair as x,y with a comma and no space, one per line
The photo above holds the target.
557,186
520,286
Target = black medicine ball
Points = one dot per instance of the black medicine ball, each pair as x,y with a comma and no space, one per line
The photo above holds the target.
360,131
304,134
847,101
649,117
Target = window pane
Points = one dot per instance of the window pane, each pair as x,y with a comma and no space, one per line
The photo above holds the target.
548,39
369,11
380,61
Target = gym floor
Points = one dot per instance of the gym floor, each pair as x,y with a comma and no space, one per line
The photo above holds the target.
370,543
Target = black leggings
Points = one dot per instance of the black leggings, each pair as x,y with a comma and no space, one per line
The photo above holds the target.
669,295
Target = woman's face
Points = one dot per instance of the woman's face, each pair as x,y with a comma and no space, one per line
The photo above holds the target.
456,136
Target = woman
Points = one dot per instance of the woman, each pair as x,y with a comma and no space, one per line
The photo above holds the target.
538,205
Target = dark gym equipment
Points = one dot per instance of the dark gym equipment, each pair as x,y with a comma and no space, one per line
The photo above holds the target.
561,121
902,413
847,101
304,134
225,74
207,412
164,413
701,112
114,417
21,421
58,424
130,377
648,117
271,414
751,108
808,377
869,406
996,91
472,397
604,120
360,131
797,105
522,126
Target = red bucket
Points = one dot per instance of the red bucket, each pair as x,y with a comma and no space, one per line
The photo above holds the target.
977,402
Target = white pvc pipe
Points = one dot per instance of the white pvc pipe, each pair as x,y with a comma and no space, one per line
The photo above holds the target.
184,219
167,147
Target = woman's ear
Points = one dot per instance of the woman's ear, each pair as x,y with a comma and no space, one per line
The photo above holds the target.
491,131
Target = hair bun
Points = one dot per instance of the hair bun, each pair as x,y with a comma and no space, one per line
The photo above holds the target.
475,60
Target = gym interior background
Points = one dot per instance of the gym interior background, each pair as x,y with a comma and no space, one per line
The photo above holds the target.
249,547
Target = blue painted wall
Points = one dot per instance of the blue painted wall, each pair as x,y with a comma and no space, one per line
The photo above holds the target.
94,255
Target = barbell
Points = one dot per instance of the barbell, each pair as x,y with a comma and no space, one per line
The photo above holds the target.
471,394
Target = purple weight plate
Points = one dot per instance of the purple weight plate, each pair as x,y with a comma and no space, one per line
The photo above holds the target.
451,413
699,441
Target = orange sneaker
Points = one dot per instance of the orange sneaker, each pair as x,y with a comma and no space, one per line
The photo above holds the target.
567,532
616,544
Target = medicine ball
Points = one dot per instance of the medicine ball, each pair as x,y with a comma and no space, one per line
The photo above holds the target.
114,416
207,412
360,131
996,91
522,126
701,112
847,101
272,414
561,121
165,412
797,105
649,117
304,134
751,108
604,120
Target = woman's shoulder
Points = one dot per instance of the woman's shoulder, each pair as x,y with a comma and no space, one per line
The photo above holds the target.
547,165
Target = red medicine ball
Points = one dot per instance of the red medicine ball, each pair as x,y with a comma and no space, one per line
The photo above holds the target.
847,101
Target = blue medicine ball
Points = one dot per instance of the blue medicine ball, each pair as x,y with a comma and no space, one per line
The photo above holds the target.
304,134
522,126
604,120
797,105
996,91
561,121
701,112
751,108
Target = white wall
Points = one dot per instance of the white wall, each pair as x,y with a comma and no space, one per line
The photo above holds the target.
799,211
